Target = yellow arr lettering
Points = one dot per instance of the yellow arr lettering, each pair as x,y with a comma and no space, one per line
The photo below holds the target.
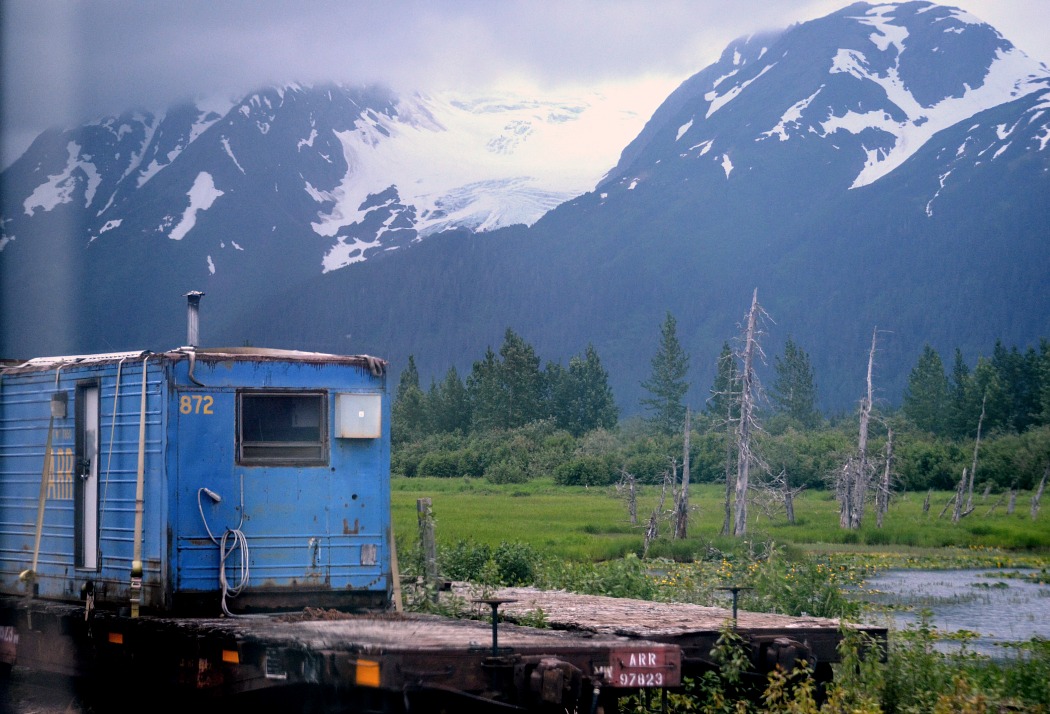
60,484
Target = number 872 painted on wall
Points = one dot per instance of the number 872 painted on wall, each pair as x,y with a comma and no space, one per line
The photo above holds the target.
196,404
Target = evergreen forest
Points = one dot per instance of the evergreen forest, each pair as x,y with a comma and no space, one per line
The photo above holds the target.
512,418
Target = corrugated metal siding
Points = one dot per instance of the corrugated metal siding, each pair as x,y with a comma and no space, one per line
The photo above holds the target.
24,418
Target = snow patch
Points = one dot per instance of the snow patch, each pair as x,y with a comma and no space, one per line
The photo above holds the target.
343,254
791,117
720,100
309,141
727,165
683,129
886,33
202,195
149,172
704,146
59,188
211,265
723,78
1044,138
921,123
929,204
229,152
317,194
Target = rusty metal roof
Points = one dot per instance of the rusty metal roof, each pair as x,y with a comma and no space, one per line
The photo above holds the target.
211,354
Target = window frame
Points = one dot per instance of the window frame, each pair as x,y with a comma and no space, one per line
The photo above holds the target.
323,444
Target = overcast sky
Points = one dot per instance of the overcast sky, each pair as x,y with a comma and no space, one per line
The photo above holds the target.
68,61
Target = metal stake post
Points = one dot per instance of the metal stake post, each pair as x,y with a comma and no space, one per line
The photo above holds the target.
494,603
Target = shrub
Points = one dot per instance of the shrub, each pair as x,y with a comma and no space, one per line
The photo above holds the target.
648,467
440,464
516,563
509,471
465,560
585,471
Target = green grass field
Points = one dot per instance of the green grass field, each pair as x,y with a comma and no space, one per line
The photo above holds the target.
591,524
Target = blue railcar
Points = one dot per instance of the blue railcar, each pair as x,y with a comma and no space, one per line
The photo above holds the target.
197,479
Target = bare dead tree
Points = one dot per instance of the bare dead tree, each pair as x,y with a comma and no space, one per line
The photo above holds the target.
776,496
1012,503
882,496
748,423
1002,497
843,484
652,532
789,498
652,528
948,504
627,487
681,511
959,491
976,445
926,503
854,492
987,490
727,517
1039,493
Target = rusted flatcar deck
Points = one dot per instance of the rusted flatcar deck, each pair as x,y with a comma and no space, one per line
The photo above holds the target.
774,639
400,655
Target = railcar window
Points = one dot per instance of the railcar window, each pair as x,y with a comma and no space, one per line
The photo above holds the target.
282,428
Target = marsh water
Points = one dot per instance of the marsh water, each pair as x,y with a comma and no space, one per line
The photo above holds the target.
997,606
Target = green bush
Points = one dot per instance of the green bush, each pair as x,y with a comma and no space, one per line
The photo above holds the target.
923,463
624,577
440,464
585,471
509,471
648,467
465,560
516,562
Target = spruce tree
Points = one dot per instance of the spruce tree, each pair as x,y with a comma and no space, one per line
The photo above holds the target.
408,419
960,419
724,401
666,383
926,396
485,389
1044,384
794,392
522,381
450,405
581,398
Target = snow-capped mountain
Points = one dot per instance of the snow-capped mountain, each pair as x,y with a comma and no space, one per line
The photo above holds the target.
870,85
362,170
885,166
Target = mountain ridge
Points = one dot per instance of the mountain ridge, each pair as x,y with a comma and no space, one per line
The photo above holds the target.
803,162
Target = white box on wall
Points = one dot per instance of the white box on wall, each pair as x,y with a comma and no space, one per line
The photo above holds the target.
358,416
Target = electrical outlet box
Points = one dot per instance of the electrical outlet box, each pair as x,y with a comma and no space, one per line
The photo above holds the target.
358,416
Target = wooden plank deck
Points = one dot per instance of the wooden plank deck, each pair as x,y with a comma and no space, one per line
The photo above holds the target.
634,618
695,628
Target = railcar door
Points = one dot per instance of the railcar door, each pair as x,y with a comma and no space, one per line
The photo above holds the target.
86,469
207,494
